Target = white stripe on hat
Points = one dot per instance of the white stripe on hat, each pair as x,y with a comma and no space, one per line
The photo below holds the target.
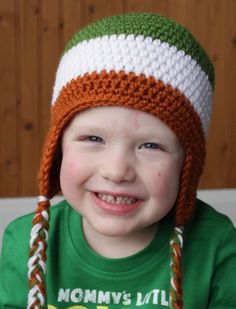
139,55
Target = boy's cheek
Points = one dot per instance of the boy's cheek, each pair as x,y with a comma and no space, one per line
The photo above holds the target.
73,170
72,162
164,182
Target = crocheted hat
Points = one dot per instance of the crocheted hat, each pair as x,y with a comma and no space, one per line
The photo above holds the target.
141,61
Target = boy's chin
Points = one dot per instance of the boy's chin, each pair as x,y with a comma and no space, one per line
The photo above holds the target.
118,228
112,230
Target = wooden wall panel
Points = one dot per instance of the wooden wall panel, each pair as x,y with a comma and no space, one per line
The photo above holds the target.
29,91
33,34
71,19
220,170
8,101
230,90
146,6
49,46
94,9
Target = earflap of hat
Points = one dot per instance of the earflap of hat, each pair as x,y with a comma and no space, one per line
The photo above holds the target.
48,175
50,165
187,190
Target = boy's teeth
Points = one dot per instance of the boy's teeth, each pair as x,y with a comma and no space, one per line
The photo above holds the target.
116,199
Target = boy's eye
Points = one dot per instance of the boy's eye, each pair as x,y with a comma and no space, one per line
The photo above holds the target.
93,138
151,146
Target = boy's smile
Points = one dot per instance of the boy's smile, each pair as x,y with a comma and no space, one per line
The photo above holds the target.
120,170
117,204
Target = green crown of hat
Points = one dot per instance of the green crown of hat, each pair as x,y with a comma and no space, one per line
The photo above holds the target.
142,43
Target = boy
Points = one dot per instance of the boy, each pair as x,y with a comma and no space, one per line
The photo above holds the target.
126,146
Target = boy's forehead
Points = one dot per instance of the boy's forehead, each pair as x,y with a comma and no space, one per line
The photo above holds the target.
117,115
123,119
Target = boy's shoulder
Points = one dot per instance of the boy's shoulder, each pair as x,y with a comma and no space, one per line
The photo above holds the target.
207,221
204,211
16,235
24,223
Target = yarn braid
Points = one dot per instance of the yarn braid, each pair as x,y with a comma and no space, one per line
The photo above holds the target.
39,236
37,261
176,244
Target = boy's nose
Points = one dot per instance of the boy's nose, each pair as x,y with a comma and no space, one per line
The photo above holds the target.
118,169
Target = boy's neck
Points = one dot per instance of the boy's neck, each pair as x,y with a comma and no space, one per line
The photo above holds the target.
118,246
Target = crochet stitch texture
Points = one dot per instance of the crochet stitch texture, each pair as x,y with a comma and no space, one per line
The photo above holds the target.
141,61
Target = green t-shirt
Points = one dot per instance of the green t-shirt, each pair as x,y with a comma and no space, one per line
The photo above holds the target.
78,278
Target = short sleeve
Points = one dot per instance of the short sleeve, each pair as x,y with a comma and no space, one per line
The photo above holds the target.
223,289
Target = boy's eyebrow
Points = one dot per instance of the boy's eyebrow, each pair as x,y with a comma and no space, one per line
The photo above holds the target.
90,127
142,134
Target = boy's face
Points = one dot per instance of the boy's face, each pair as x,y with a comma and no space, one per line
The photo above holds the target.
120,169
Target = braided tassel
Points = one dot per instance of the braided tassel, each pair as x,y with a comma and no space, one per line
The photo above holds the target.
37,261
176,245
